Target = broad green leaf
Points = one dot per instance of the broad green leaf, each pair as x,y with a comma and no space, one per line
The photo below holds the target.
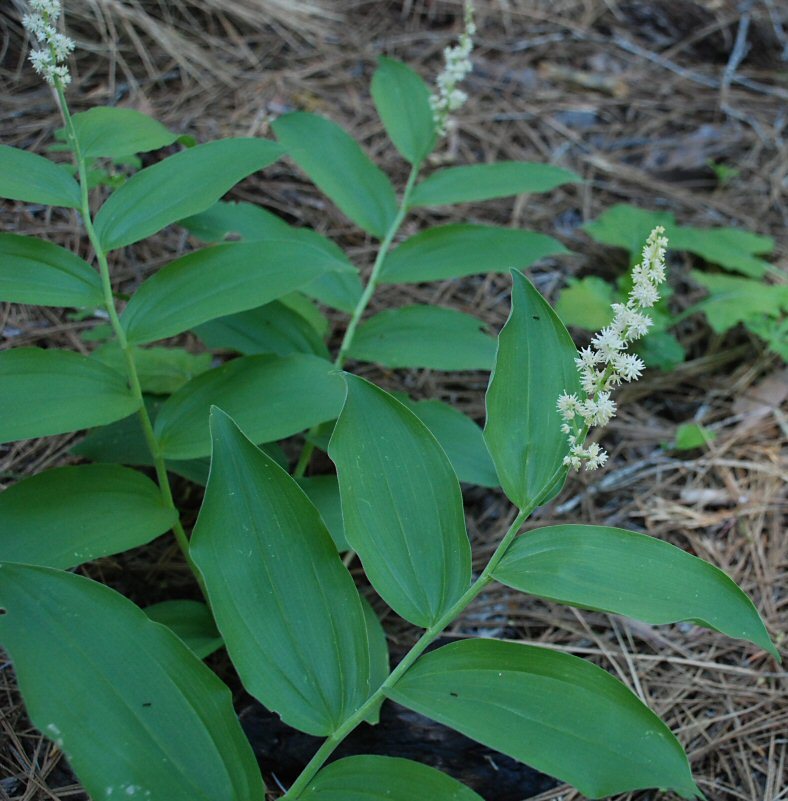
693,435
451,251
628,227
555,712
403,103
191,621
273,328
618,571
383,778
286,606
731,248
256,224
244,220
116,132
45,392
69,515
734,300
33,179
323,491
337,165
486,181
218,281
271,397
161,371
340,290
424,336
534,365
179,186
38,272
123,442
401,504
462,440
300,304
135,712
378,655
586,303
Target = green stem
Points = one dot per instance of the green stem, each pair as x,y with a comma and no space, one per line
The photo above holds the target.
372,283
430,634
120,334
363,302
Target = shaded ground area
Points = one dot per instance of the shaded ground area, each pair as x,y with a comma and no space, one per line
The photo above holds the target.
639,98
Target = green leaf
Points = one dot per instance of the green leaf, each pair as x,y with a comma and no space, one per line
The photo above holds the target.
323,491
378,656
124,442
586,303
382,778
106,131
488,181
302,305
401,504
271,397
244,220
451,251
38,272
774,332
402,100
730,248
70,515
693,435
273,328
33,179
45,392
134,711
161,371
734,300
560,714
340,290
628,227
191,621
337,165
462,440
534,365
618,571
217,281
286,606
184,184
424,336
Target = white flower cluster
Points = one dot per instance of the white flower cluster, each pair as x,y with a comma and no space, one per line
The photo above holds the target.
449,96
55,47
605,364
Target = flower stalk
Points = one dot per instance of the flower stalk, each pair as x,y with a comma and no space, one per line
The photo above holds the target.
605,364
457,65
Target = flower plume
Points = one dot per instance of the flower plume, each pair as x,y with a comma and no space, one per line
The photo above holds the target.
54,48
449,96
605,363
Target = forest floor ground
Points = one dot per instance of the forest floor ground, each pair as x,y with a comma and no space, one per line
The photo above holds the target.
639,98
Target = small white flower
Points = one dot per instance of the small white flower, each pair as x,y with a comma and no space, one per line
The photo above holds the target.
457,64
645,294
605,364
629,366
55,47
568,405
50,8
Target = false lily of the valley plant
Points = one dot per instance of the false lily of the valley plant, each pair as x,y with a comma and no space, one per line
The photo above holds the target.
122,690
